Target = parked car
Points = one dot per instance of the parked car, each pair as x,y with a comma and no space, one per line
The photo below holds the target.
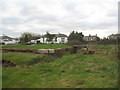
29,43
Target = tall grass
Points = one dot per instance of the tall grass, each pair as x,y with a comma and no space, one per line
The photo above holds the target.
26,58
111,51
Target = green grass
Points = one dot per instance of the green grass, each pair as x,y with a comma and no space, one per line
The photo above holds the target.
69,71
25,58
40,46
105,47
106,50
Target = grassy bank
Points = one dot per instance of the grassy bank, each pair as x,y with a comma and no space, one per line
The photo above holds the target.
25,58
69,71
40,46
111,51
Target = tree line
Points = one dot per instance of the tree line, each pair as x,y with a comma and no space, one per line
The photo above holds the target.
108,41
73,38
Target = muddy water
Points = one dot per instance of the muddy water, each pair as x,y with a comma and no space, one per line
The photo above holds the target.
6,63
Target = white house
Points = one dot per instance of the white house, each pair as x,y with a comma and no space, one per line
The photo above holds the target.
59,38
90,38
8,40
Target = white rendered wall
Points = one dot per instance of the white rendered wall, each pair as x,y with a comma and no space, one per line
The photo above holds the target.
58,40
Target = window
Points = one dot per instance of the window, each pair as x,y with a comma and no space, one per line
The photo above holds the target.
62,40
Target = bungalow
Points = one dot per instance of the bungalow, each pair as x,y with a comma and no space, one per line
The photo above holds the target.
59,38
8,40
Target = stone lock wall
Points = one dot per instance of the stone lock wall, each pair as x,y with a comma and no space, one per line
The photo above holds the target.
55,52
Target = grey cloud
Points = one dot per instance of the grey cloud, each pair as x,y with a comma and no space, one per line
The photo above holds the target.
113,13
29,10
73,20
96,25
11,20
32,13
3,6
43,19
69,6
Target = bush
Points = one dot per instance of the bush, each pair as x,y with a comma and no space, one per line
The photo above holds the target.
74,42
35,60
48,58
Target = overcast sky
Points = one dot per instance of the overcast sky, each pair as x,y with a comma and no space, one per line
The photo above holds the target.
38,16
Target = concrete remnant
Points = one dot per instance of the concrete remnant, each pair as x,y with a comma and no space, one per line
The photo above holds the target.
46,51
51,50
42,51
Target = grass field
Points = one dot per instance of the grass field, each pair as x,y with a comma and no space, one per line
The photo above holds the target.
69,71
25,58
40,46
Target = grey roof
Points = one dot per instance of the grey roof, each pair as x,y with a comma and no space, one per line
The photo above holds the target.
61,35
90,36
5,37
57,35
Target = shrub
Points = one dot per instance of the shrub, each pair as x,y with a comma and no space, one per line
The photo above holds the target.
74,42
35,60
48,58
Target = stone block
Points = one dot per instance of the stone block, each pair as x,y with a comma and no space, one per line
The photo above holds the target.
42,51
51,51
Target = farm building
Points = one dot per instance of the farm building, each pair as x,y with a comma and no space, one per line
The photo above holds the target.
59,38
8,40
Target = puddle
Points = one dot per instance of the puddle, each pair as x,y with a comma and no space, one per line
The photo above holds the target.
6,63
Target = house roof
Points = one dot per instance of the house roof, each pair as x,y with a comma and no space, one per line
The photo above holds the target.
5,37
57,35
90,36
61,35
